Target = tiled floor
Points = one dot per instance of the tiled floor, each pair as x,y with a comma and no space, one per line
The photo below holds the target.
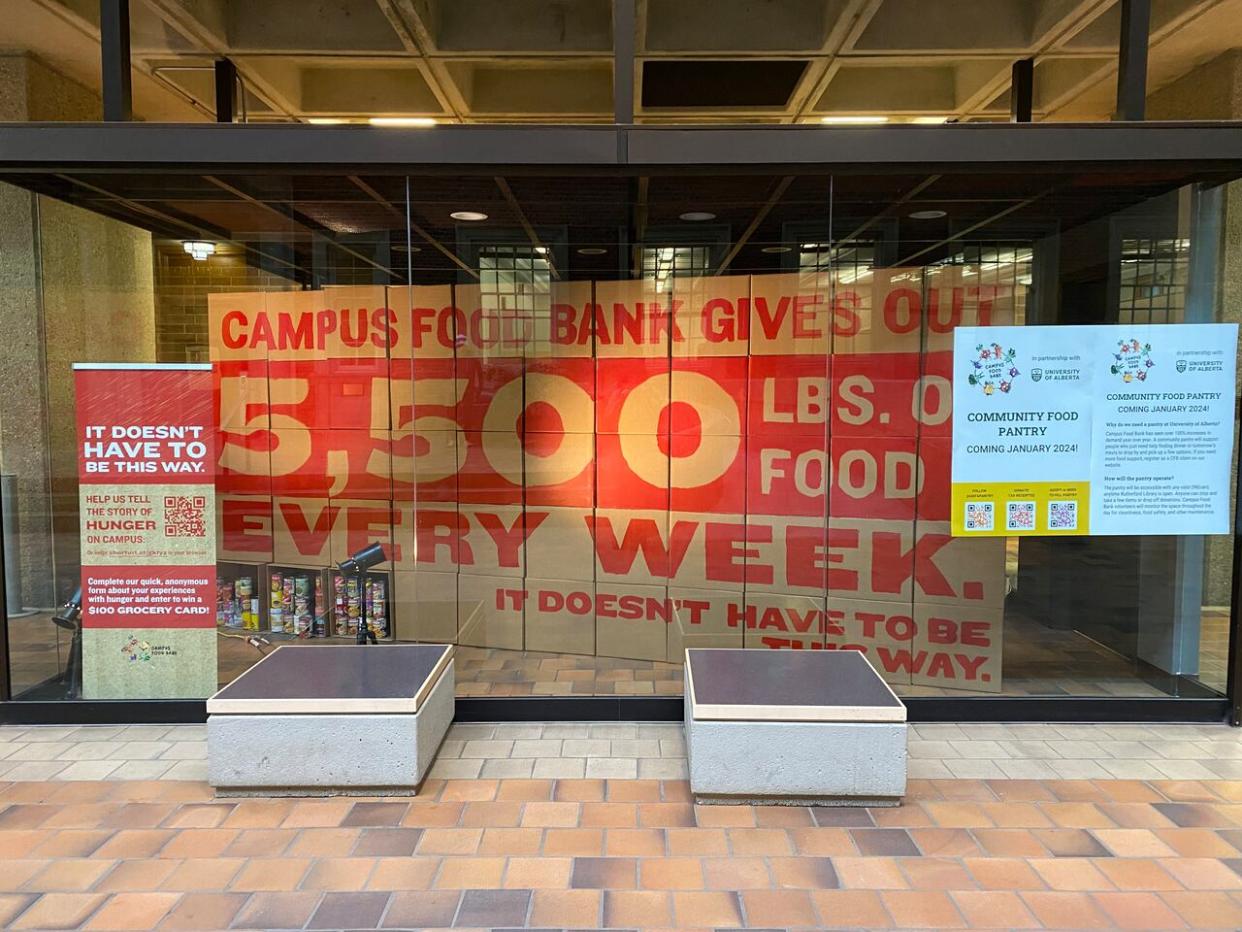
657,752
1038,661
1068,854
103,752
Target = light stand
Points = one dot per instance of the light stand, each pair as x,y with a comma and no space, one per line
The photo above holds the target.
357,565
70,618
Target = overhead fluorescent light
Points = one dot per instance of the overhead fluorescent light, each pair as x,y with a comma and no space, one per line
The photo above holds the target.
592,251
854,273
853,120
695,216
470,216
771,250
930,120
325,121
402,121
927,214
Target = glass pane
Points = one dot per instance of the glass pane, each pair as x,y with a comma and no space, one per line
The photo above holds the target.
600,419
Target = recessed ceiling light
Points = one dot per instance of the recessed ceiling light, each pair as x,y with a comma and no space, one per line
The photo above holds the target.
776,249
592,251
927,215
470,216
325,121
855,120
695,216
402,121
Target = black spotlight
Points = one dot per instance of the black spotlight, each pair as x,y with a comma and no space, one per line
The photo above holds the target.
357,565
69,617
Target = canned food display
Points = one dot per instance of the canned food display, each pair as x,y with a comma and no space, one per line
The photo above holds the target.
350,599
228,609
320,609
301,602
276,613
244,589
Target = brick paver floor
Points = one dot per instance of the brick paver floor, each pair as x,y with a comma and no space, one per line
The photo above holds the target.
586,853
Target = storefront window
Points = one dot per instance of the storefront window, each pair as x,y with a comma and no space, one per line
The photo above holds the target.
590,432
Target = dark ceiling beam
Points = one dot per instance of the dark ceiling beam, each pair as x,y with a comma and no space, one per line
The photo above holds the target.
288,213
482,151
115,68
413,227
516,207
760,215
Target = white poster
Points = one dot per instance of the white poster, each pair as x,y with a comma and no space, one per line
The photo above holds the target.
1116,429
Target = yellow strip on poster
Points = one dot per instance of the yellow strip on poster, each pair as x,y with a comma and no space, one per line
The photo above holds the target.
1016,509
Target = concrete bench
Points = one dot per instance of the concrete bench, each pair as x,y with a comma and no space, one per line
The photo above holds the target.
792,728
307,721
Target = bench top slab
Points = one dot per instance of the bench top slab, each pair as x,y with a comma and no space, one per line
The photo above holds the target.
336,680
738,684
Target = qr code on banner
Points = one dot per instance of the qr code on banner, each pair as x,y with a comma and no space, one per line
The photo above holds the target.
1020,516
185,516
979,516
1063,516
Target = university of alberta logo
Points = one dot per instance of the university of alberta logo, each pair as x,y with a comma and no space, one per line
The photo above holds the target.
136,650
1131,361
993,368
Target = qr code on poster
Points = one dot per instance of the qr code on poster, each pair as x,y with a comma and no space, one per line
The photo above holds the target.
1063,516
185,516
979,516
1020,516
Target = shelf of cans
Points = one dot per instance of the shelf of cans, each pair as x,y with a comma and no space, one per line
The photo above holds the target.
305,603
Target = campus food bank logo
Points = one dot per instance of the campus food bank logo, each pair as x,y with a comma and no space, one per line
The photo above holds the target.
1131,361
136,651
993,368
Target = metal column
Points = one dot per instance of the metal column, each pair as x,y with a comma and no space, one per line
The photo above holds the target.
118,97
1132,59
6,683
226,91
623,62
1022,90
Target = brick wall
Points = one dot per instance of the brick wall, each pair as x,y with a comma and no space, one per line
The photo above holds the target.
181,289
